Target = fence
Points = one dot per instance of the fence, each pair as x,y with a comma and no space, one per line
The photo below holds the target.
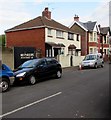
8,57
67,61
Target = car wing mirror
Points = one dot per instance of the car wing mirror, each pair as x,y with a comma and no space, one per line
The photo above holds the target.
40,66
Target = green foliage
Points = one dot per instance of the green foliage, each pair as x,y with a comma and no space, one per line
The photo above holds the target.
2,40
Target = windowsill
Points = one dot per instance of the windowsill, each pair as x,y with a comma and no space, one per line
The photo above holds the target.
49,36
71,39
60,37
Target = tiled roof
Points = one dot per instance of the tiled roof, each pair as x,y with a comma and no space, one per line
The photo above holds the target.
104,30
90,25
82,24
40,22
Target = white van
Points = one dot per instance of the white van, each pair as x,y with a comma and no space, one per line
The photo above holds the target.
92,60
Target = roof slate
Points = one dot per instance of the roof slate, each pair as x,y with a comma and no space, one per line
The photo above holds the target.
40,22
104,30
90,25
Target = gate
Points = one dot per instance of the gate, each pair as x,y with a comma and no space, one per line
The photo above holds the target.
22,54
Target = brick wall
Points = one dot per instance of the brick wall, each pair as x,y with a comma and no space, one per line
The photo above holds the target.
27,38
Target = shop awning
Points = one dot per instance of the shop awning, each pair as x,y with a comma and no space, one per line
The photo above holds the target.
72,46
54,45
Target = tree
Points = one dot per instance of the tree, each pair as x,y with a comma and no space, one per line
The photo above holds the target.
2,40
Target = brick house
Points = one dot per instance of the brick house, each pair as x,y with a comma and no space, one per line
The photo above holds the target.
104,41
48,36
92,36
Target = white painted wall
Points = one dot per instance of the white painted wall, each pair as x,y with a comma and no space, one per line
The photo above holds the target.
65,60
64,41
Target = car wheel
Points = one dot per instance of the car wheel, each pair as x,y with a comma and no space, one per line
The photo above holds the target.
95,66
32,80
58,74
4,85
102,65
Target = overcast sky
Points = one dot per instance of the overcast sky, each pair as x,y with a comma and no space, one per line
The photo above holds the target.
15,12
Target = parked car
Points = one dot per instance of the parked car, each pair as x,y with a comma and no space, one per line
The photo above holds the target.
33,70
6,78
92,60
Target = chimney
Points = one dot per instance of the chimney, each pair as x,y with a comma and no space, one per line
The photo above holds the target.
46,13
76,18
99,26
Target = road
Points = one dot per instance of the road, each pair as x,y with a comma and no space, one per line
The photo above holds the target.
78,94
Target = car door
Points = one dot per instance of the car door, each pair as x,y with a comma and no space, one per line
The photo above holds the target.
98,60
42,69
51,67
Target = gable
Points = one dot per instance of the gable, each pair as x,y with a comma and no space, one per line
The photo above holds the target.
77,29
79,24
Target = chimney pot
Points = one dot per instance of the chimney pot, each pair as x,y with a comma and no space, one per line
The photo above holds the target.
76,18
46,13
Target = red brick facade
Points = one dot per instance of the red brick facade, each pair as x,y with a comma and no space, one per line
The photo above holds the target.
93,44
27,38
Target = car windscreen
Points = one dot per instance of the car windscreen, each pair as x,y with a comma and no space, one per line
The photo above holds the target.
29,64
90,57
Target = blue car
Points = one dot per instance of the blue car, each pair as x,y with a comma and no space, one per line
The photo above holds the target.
6,78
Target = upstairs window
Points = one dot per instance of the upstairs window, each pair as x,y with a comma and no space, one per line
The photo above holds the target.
105,39
59,34
49,32
91,37
70,36
77,37
95,37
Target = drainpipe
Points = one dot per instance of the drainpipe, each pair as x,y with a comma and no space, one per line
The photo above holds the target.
86,50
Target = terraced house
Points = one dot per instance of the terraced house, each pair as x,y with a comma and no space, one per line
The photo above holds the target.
48,36
104,39
93,37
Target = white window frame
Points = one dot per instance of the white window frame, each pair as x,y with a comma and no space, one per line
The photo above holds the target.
49,31
59,34
70,36
91,37
95,37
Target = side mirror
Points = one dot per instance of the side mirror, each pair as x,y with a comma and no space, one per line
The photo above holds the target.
40,66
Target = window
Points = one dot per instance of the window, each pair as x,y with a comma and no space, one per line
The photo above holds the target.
48,53
70,36
59,33
95,37
49,31
42,62
77,37
104,39
95,50
62,51
91,50
91,37
107,40
51,61
3,67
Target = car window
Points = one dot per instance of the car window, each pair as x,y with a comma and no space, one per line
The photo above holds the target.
42,62
3,67
51,61
98,57
90,57
29,64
